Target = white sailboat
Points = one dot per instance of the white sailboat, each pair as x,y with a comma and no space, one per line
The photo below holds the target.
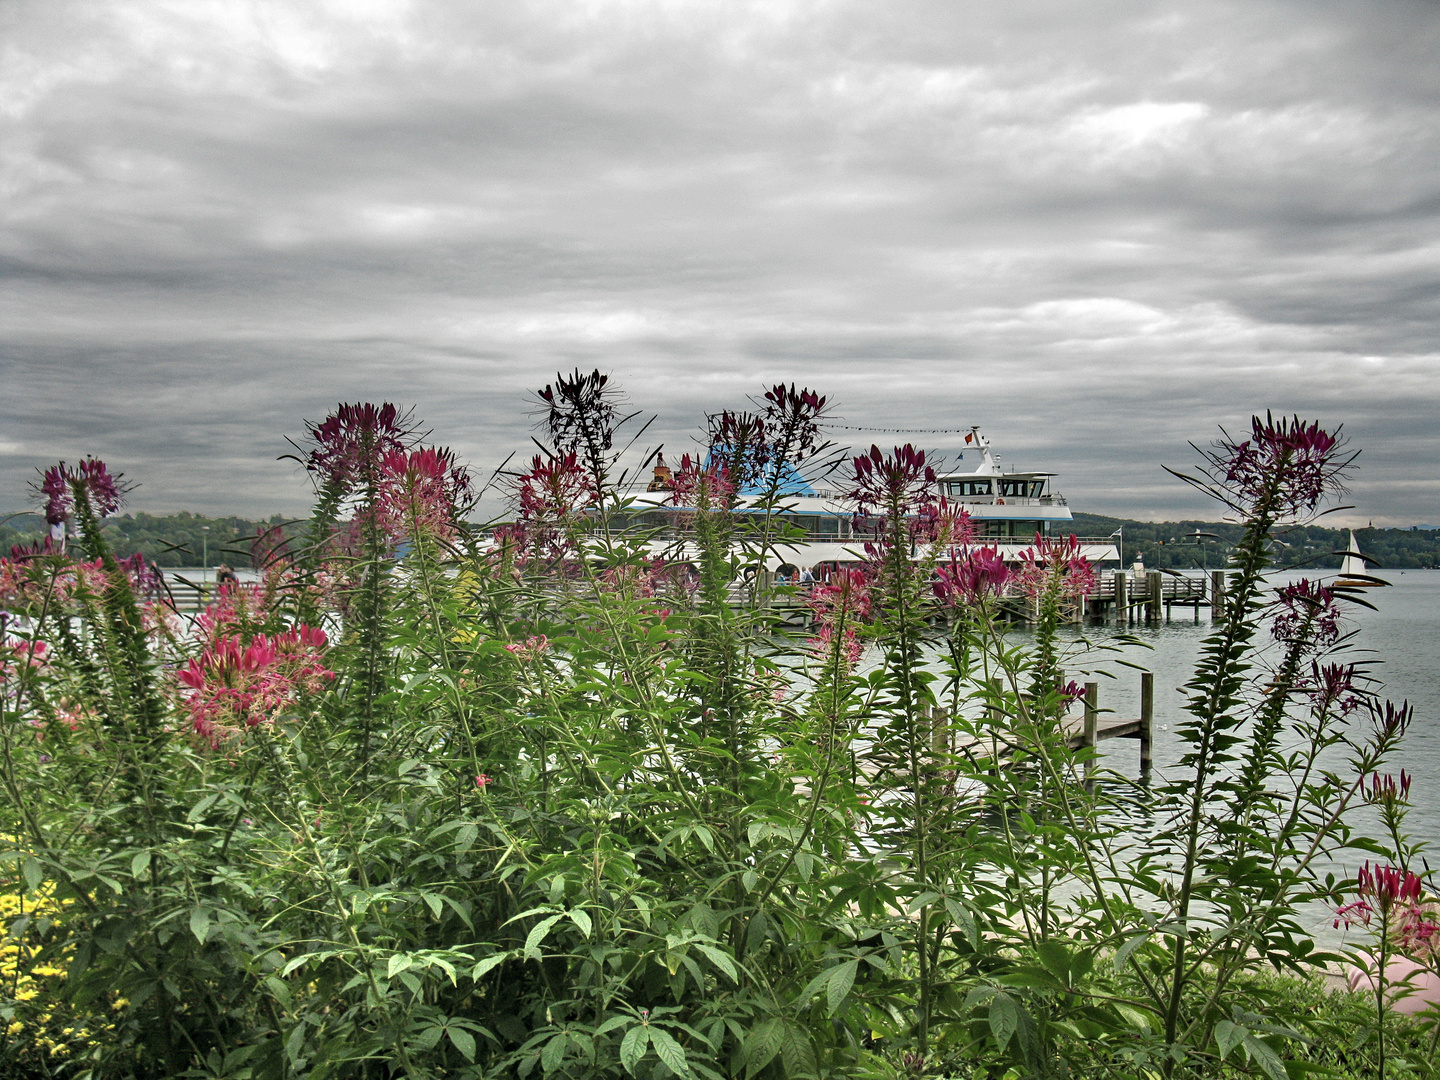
1353,571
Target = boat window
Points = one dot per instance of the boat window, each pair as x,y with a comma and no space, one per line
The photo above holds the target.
970,487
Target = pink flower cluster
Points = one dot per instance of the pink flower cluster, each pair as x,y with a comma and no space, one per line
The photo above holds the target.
532,648
104,492
234,686
705,488
1395,896
838,605
1306,602
422,493
20,654
1054,563
1387,790
971,577
1299,462
894,483
346,442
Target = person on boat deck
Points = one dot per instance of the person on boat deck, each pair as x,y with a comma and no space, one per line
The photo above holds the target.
806,577
225,576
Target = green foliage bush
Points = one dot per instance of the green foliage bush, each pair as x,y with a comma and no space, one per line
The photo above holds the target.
573,801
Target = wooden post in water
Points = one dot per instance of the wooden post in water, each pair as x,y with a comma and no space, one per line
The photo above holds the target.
1147,718
1153,590
1122,597
1091,737
1217,593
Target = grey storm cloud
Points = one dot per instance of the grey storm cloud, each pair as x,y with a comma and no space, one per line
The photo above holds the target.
1097,230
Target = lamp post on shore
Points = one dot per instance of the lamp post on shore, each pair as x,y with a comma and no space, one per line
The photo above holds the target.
1204,551
204,546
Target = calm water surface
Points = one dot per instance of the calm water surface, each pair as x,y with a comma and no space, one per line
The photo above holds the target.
1401,640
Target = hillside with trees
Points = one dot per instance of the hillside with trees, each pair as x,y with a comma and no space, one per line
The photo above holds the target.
165,540
1175,545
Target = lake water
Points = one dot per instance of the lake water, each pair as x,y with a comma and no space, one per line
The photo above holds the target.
1402,641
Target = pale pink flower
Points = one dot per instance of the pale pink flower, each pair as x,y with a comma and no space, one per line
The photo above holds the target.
1055,563
532,648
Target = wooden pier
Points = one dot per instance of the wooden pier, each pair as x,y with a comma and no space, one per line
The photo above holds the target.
1127,598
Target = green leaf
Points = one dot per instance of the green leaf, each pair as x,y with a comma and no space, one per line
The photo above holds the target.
1227,1037
480,970
429,1038
613,1023
1122,954
462,1041
1264,1055
720,960
537,935
762,1045
140,863
796,1053
1004,1019
1055,957
398,963
632,1047
34,873
582,920
200,924
436,903
842,978
669,1051
553,1056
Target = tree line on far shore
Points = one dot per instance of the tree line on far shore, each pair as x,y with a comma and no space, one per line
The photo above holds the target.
171,540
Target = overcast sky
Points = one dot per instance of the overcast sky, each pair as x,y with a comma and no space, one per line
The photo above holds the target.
1096,229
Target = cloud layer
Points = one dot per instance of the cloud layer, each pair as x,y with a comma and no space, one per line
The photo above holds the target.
1098,230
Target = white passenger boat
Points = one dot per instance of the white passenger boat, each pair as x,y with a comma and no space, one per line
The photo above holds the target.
1008,509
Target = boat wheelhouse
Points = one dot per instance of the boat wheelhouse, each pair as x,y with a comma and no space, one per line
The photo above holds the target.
1008,509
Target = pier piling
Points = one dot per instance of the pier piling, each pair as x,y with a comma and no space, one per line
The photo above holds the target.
1122,597
1091,738
1147,718
1154,589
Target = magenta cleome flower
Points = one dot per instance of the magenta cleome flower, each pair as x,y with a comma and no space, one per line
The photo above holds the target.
1287,465
233,685
700,487
104,492
1382,890
971,577
422,492
353,439
1051,562
1306,607
896,483
1388,790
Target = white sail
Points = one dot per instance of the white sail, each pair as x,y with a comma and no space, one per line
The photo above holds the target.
1352,564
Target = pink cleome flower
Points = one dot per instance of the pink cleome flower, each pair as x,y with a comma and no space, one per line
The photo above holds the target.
532,648
1303,604
972,577
1382,890
1288,463
704,488
348,441
104,491
234,686
1051,562
422,491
